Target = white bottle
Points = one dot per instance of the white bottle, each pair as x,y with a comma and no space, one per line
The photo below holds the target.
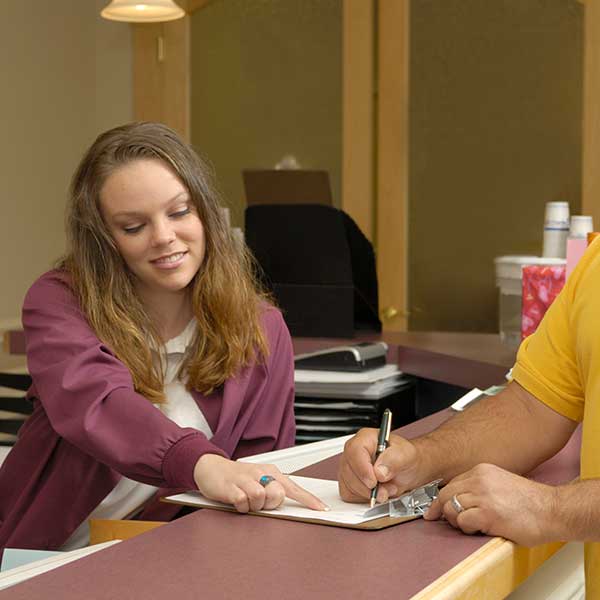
556,230
581,225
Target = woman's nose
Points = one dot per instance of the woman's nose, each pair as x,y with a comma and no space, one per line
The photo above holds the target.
163,233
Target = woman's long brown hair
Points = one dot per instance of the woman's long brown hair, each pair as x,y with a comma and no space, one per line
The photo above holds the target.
226,298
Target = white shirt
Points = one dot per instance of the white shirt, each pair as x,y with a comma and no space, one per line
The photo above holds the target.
129,495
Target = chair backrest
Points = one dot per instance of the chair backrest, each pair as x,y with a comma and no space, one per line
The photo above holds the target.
300,243
318,265
294,186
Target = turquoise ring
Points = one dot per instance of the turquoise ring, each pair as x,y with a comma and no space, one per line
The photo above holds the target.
265,480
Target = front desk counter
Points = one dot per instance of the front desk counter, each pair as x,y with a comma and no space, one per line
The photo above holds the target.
211,554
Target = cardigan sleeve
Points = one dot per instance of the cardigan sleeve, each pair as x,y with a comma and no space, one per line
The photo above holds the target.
89,397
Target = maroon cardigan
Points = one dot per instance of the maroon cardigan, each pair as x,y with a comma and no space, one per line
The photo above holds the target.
89,426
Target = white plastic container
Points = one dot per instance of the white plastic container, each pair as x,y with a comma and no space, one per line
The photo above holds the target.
509,280
577,244
556,229
580,226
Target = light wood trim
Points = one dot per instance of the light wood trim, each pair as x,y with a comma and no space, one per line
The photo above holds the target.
161,88
392,168
358,113
147,76
492,572
177,75
590,204
104,530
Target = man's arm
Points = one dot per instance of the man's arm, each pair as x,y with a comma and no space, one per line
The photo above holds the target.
512,430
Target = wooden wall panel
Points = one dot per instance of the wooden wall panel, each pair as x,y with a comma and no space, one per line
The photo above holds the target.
161,73
392,166
358,143
591,113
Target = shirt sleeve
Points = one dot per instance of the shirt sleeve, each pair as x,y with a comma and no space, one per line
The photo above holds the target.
547,364
89,397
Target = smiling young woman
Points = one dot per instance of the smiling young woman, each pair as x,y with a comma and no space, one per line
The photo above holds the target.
156,359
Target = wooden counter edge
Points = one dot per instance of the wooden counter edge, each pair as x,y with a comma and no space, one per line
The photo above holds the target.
493,571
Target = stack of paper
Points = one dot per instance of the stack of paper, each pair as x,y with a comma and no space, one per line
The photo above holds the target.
288,460
343,384
14,409
336,403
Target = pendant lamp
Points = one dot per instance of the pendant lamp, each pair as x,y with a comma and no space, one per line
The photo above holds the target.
142,11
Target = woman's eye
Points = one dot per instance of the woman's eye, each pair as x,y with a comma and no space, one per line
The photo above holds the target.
132,229
180,213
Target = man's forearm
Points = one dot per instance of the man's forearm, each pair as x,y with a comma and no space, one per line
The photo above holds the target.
575,514
512,430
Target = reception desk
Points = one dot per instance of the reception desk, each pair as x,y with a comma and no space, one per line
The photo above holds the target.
213,554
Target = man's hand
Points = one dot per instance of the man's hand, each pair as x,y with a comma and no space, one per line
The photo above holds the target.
397,469
237,483
499,503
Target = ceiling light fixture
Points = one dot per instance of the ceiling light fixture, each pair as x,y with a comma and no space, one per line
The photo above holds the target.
142,11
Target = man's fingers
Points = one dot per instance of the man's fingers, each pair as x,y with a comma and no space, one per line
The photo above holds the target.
388,463
385,491
434,512
358,454
356,476
395,460
352,488
471,521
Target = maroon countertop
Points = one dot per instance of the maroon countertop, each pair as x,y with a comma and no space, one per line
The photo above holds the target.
463,359
213,554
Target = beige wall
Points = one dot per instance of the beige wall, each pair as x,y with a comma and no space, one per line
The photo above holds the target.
496,132
266,82
66,76
495,125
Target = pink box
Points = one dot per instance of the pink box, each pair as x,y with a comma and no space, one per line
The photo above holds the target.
541,285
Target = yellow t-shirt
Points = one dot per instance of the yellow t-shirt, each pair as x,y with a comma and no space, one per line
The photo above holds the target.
560,365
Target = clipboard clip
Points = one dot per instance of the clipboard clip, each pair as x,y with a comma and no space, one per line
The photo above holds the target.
411,504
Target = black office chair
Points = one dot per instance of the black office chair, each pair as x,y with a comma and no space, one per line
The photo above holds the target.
318,265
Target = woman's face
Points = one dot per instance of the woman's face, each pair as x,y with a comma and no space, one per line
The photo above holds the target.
155,226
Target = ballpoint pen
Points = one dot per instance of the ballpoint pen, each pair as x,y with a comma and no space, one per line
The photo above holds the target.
383,440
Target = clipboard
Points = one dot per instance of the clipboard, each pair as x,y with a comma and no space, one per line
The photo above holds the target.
411,505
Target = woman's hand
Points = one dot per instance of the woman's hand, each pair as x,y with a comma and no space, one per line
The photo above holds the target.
237,483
